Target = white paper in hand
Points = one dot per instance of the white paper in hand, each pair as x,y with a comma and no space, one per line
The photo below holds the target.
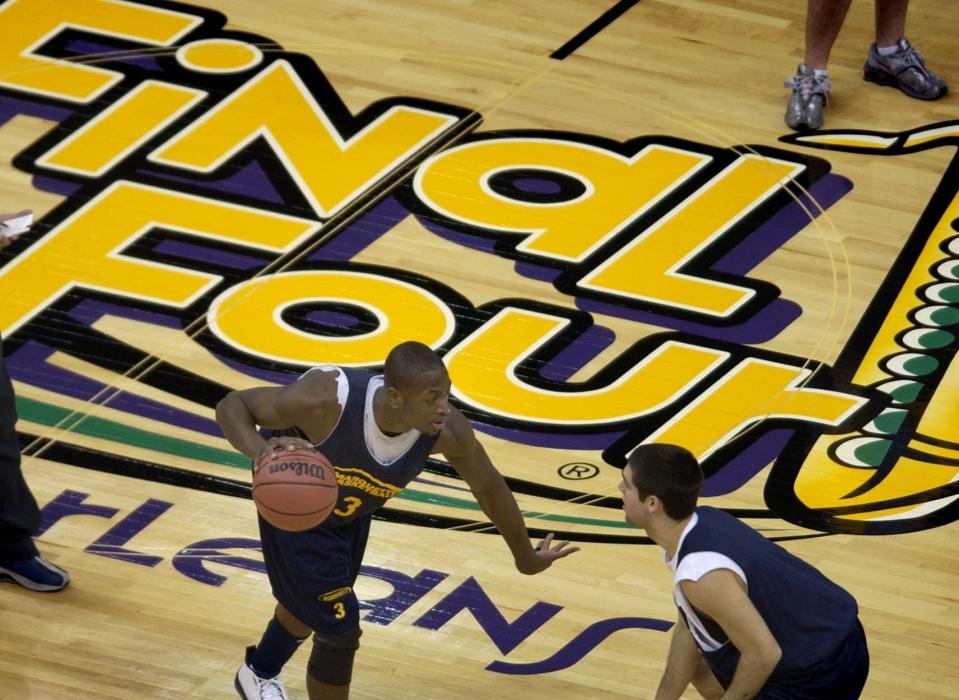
20,223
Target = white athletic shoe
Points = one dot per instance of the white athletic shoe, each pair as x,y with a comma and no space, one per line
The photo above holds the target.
251,687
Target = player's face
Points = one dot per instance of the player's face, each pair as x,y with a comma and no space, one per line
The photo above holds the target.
633,508
427,404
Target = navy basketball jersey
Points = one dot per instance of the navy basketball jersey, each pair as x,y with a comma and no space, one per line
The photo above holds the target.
809,615
371,467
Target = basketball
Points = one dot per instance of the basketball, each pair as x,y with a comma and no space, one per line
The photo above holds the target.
295,489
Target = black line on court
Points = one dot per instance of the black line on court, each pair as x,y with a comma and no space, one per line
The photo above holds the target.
129,467
598,25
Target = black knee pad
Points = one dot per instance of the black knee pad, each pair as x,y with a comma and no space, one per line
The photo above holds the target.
331,660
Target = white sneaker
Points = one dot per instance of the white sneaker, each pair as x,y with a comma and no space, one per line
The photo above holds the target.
251,687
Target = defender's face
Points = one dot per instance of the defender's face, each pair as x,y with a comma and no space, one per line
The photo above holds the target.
426,405
634,509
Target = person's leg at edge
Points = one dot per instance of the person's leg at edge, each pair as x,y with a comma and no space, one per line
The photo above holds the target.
810,85
890,22
19,514
824,19
20,517
893,61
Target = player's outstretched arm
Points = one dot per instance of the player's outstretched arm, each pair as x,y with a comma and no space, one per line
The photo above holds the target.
459,445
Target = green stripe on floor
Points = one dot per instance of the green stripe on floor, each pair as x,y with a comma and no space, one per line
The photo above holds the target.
93,426
104,429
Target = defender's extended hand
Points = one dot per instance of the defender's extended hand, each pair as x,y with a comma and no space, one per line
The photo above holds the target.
544,554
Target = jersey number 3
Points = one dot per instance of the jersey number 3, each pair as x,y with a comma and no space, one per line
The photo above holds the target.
352,503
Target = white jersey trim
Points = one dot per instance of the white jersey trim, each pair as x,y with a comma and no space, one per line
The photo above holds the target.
385,449
692,568
342,383
342,391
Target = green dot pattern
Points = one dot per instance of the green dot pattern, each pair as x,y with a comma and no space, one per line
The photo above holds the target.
872,452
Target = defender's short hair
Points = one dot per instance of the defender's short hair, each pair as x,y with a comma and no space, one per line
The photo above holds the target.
669,472
409,363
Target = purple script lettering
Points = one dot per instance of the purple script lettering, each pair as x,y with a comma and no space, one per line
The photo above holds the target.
406,591
505,635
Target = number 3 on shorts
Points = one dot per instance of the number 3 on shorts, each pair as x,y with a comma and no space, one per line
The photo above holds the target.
339,612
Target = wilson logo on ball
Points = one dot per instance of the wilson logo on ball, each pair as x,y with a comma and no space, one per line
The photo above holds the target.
295,489
299,468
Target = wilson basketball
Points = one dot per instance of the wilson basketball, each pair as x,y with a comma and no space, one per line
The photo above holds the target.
295,489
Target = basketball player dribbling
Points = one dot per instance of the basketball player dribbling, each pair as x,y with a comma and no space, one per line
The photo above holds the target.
379,429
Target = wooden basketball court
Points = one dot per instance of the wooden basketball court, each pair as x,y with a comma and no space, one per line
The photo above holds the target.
591,209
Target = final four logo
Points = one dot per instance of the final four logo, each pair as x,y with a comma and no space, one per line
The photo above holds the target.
226,221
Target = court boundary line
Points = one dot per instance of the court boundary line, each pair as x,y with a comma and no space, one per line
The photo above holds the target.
594,28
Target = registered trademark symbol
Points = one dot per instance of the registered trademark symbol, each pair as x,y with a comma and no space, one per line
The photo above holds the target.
577,471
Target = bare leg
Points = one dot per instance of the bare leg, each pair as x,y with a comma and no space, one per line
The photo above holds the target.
824,19
890,21
292,625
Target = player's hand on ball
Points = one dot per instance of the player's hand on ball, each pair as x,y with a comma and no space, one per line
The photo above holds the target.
285,442
544,554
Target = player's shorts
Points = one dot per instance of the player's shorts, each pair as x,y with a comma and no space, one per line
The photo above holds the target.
841,676
312,573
